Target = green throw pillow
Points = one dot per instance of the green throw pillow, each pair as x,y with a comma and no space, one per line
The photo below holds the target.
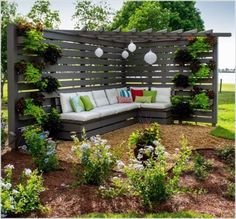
152,93
87,103
76,104
143,99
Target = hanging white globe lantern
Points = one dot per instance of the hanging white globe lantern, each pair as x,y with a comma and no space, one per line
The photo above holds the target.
150,57
125,54
98,52
131,46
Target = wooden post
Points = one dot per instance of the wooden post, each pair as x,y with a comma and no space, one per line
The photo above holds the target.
220,85
12,83
215,85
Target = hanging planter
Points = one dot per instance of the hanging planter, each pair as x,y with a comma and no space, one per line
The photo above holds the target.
51,54
183,57
48,84
181,80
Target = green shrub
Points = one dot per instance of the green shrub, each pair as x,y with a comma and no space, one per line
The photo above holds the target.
227,154
198,46
33,42
22,197
42,149
37,112
95,160
201,167
203,72
32,74
153,183
201,101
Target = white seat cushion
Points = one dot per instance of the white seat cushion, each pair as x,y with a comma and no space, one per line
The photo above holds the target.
123,107
65,102
163,94
159,105
81,116
88,93
112,95
105,110
100,98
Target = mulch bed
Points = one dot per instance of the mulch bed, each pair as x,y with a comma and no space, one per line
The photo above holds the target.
65,201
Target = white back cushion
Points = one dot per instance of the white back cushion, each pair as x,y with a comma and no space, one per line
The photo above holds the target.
163,94
139,88
88,93
111,95
100,98
65,102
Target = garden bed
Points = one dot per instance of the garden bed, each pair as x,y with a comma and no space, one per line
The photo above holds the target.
66,201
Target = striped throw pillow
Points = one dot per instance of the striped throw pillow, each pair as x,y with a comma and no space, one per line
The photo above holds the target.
125,93
124,99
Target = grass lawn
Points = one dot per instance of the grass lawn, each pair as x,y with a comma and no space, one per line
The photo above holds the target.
180,214
226,118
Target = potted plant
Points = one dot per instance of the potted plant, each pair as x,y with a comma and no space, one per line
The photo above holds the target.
181,106
198,46
48,84
201,101
195,65
51,54
20,106
38,98
181,80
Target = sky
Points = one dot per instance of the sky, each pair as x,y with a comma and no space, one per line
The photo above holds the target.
217,15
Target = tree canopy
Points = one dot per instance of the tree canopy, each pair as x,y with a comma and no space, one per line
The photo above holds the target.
93,16
41,12
174,14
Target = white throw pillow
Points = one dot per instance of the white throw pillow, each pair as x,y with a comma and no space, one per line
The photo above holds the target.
163,94
100,98
88,93
112,95
65,102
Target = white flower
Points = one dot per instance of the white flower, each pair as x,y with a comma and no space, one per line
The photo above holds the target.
141,150
14,191
85,146
140,156
7,186
107,147
150,148
101,187
27,171
46,160
138,166
115,178
120,164
9,166
156,142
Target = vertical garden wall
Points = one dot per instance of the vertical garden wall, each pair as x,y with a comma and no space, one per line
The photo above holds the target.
78,68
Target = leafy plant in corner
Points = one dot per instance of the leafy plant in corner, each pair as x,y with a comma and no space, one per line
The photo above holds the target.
53,123
201,101
198,46
181,106
48,84
181,80
182,57
201,167
51,54
33,42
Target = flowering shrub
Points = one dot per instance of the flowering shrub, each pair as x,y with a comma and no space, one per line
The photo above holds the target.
23,197
95,159
153,183
42,149
145,141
